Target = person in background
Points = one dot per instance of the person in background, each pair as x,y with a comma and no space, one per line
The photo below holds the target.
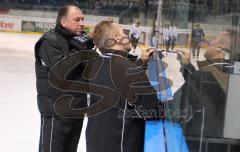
173,31
197,38
134,34
167,37
154,39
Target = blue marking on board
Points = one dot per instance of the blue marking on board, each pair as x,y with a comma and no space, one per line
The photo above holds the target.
154,138
154,69
174,137
162,135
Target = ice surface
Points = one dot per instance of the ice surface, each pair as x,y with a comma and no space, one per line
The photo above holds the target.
20,119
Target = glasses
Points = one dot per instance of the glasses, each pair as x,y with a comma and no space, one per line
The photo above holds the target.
111,42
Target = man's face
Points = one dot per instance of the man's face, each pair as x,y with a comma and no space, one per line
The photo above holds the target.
215,49
73,21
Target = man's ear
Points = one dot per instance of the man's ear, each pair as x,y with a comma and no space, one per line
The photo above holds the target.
63,22
116,38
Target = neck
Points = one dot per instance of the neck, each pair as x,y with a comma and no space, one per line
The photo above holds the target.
63,31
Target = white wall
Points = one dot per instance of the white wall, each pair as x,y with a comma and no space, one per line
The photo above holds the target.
232,118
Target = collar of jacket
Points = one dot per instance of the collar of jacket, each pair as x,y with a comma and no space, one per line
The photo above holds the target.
219,70
221,64
117,52
63,32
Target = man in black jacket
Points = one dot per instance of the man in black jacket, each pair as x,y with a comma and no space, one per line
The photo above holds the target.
59,134
197,38
205,96
120,127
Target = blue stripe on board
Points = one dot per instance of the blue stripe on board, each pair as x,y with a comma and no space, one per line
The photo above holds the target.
154,137
174,137
155,140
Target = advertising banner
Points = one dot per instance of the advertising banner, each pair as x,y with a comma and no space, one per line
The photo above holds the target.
31,26
8,24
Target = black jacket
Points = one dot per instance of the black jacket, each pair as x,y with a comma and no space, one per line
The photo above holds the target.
131,100
202,101
53,47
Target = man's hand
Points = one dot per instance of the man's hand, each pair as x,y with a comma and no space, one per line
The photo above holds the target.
185,56
146,53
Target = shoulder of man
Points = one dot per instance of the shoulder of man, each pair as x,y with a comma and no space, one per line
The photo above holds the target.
51,43
48,36
52,38
124,62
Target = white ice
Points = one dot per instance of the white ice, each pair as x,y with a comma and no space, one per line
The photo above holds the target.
20,119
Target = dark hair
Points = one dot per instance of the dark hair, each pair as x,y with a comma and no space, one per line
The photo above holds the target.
64,11
197,25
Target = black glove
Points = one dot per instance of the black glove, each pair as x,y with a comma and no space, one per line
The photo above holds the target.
82,42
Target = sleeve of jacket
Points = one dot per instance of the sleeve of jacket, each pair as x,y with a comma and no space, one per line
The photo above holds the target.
50,53
136,60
